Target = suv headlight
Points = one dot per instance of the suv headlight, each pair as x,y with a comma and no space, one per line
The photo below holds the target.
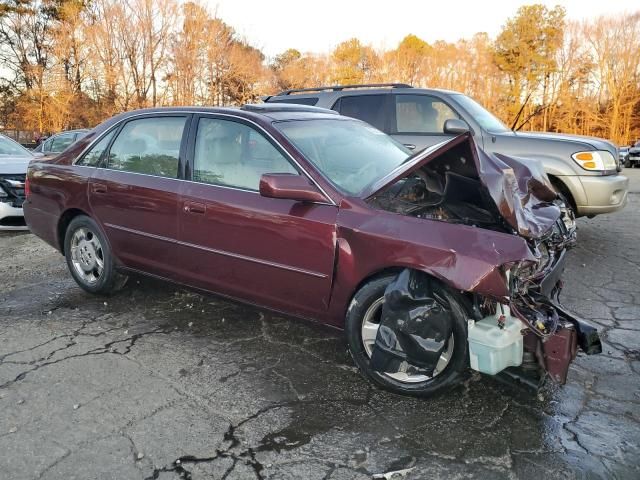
595,161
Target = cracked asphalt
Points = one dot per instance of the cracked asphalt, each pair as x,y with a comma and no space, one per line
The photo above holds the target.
162,383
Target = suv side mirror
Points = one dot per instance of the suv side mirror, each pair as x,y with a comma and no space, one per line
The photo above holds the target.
289,186
455,126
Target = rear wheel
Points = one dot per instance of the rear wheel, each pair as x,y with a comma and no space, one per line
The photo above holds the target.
89,257
362,323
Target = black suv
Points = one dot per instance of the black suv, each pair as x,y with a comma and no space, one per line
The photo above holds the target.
583,169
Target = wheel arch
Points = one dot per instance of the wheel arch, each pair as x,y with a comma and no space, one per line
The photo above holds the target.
63,223
396,269
564,189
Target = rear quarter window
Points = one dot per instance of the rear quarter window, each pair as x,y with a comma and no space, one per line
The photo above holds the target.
94,155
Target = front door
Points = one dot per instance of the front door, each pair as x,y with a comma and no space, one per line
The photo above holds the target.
135,195
274,252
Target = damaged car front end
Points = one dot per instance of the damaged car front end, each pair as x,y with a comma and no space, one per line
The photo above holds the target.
518,323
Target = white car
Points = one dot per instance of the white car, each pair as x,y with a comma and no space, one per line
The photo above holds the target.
14,160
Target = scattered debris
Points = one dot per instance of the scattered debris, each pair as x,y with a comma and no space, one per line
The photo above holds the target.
397,474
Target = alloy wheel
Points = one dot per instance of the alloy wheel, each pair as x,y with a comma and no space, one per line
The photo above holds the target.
369,331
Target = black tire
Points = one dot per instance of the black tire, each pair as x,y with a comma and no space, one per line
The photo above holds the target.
450,376
109,280
627,164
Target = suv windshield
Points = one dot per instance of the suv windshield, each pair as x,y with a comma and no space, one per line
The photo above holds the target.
486,119
13,149
350,153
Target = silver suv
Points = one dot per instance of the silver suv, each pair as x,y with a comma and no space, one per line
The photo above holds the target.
584,170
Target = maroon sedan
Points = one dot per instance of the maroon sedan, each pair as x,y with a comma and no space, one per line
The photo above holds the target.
431,262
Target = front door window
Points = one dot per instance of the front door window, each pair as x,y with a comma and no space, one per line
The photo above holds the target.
421,114
235,155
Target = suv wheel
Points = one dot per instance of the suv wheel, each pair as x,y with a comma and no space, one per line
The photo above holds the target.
89,257
363,319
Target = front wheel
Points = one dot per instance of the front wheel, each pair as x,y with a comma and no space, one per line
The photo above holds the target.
89,258
362,323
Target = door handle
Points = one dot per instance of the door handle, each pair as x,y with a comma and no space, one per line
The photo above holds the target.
410,146
98,188
195,208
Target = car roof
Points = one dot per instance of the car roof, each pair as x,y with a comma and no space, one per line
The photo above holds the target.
344,91
274,111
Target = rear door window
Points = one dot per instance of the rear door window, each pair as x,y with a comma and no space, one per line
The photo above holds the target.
368,108
421,114
150,146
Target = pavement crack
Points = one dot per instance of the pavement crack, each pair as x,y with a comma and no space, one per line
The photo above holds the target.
107,348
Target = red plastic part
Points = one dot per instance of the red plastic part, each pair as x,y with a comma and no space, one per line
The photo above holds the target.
559,350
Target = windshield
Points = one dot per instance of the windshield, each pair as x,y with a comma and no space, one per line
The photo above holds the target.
486,119
9,148
350,153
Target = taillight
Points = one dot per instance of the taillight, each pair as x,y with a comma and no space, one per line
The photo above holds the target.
27,188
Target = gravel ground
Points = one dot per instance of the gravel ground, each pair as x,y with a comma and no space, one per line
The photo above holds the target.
160,382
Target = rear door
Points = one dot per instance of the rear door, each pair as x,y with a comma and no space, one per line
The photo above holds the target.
417,120
374,109
274,252
135,195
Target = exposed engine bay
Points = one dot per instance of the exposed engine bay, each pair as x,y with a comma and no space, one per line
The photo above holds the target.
463,185
446,189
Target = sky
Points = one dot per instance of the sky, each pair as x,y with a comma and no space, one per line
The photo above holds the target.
318,26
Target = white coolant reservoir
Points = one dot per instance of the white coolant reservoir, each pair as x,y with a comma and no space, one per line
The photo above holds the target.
492,348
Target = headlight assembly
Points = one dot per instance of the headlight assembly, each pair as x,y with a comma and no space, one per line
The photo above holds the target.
595,161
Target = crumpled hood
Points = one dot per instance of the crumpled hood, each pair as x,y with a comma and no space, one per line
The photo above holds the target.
520,189
14,165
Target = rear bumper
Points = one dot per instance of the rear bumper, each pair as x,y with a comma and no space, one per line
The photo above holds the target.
11,218
42,224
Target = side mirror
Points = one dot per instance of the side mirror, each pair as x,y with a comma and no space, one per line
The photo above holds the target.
289,186
455,126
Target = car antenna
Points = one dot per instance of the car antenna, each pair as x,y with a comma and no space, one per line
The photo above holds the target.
537,111
515,121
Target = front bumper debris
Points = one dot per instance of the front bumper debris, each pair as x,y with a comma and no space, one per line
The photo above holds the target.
554,333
